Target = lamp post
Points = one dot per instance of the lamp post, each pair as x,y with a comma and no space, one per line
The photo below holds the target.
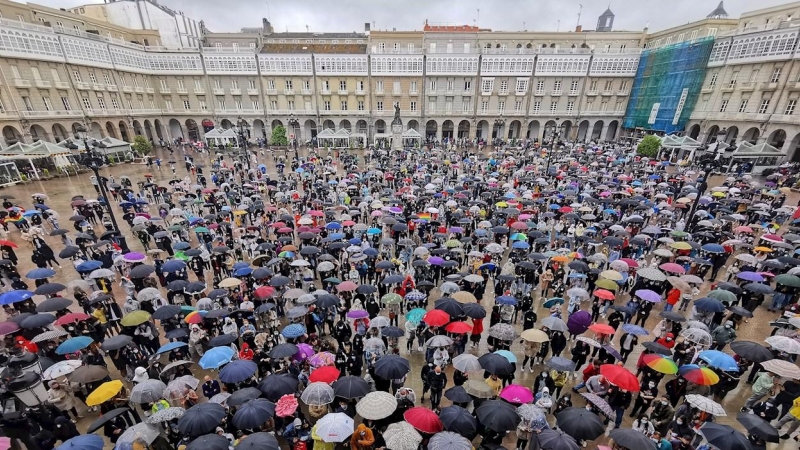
707,161
498,123
243,126
293,123
552,145
94,162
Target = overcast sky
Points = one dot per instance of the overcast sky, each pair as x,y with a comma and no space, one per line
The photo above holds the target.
506,15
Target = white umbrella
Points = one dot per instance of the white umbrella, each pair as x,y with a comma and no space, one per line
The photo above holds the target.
449,287
49,336
325,266
376,405
706,404
148,391
784,344
696,335
317,394
466,362
300,263
402,436
439,341
379,322
140,431
782,368
448,440
473,278
148,294
166,414
101,273
61,369
335,427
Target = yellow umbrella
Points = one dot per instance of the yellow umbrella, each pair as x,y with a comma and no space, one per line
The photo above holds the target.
230,283
612,275
607,284
534,335
135,318
501,204
104,393
763,249
240,212
681,246
718,194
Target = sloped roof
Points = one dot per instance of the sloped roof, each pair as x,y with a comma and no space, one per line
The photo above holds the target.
607,12
762,150
718,12
327,133
221,133
342,132
411,133
39,149
108,141
672,141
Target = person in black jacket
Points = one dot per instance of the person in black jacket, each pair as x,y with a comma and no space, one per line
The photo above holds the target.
619,400
437,381
558,342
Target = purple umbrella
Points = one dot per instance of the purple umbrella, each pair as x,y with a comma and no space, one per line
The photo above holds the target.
357,314
750,276
455,230
134,257
579,322
435,260
647,294
304,351
613,352
8,328
396,209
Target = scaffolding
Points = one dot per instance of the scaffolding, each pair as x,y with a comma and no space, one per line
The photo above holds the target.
667,84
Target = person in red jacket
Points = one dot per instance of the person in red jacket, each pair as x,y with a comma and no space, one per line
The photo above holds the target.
477,330
673,296
590,371
667,341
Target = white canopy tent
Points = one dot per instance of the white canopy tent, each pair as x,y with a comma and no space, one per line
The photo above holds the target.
760,156
677,145
341,138
53,156
411,138
219,136
108,146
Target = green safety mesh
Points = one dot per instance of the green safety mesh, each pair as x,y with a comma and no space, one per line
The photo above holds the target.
662,77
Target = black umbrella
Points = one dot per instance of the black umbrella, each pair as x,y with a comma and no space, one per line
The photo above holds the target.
390,367
579,266
655,347
258,441
37,321
69,251
555,440
253,413
222,339
279,280
672,315
166,312
457,394
758,288
752,351
498,415
723,436
392,332
177,333
142,271
195,287
458,420
474,310
49,289
217,313
581,424
350,387
58,232
496,364
450,306
116,342
741,311
759,427
632,439
177,285
53,304
283,351
200,419
209,442
243,395
276,386
365,289
105,418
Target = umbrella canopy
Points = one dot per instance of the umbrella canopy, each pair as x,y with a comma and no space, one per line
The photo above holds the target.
498,415
496,364
376,405
390,367
350,387
253,413
318,394
459,420
423,420
752,351
706,404
402,436
620,377
148,391
556,440
516,394
201,419
103,419
83,442
782,368
258,441
166,414
276,386
723,436
139,432
334,427
447,440
580,423
237,371
209,442
632,439
104,393
759,427
466,362
241,396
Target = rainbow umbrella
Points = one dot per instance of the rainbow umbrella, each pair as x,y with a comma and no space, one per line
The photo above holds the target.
195,317
699,375
660,363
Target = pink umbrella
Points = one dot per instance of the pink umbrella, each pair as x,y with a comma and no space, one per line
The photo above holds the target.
304,351
514,393
322,359
286,406
673,268
346,286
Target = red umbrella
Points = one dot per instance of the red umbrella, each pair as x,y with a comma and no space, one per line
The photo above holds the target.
325,374
604,294
631,263
264,292
458,327
601,328
346,286
436,318
6,243
620,377
71,317
423,419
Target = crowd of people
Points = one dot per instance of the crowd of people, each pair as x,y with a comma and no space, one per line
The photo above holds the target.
341,299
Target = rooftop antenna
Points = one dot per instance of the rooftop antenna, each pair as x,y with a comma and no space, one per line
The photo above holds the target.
580,10
268,13
307,29
558,27
478,20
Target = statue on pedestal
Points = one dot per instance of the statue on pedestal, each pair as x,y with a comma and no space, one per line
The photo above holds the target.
397,129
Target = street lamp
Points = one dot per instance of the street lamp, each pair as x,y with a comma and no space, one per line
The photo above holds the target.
552,144
498,123
243,127
707,160
94,162
293,123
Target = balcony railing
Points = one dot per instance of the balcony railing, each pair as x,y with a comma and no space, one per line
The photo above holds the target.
164,90
288,92
111,87
199,91
607,92
20,83
360,92
61,84
556,92
150,90
41,114
538,93
305,91
592,92
139,89
271,91
98,87
768,86
622,92
42,84
181,91
252,91
343,91
127,88
218,91
236,91
324,91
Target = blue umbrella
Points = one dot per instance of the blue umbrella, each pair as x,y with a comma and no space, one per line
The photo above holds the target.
216,357
709,304
293,331
173,265
716,358
373,231
415,315
333,226
506,300
83,442
242,271
40,274
240,264
335,236
237,371
73,345
88,266
512,358
181,246
168,347
520,245
8,298
370,251
714,248
635,330
31,212
354,241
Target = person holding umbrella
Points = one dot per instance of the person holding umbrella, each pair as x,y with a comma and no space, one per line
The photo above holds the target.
437,380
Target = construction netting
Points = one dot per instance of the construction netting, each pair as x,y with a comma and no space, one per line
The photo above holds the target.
667,84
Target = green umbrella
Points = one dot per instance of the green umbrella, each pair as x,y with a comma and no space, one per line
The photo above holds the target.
553,302
391,299
202,230
135,318
678,233
722,295
452,243
788,280
333,280
175,228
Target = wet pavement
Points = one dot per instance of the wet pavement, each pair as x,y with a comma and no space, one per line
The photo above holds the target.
60,192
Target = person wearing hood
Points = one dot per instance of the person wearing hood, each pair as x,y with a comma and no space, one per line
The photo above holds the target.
196,338
723,335
246,352
140,375
60,396
130,305
362,438
667,341
229,327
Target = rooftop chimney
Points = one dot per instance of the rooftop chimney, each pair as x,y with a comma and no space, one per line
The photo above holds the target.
578,28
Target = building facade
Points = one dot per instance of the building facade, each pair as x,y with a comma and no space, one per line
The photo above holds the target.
61,70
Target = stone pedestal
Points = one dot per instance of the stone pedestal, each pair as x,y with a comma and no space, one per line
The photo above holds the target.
397,136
